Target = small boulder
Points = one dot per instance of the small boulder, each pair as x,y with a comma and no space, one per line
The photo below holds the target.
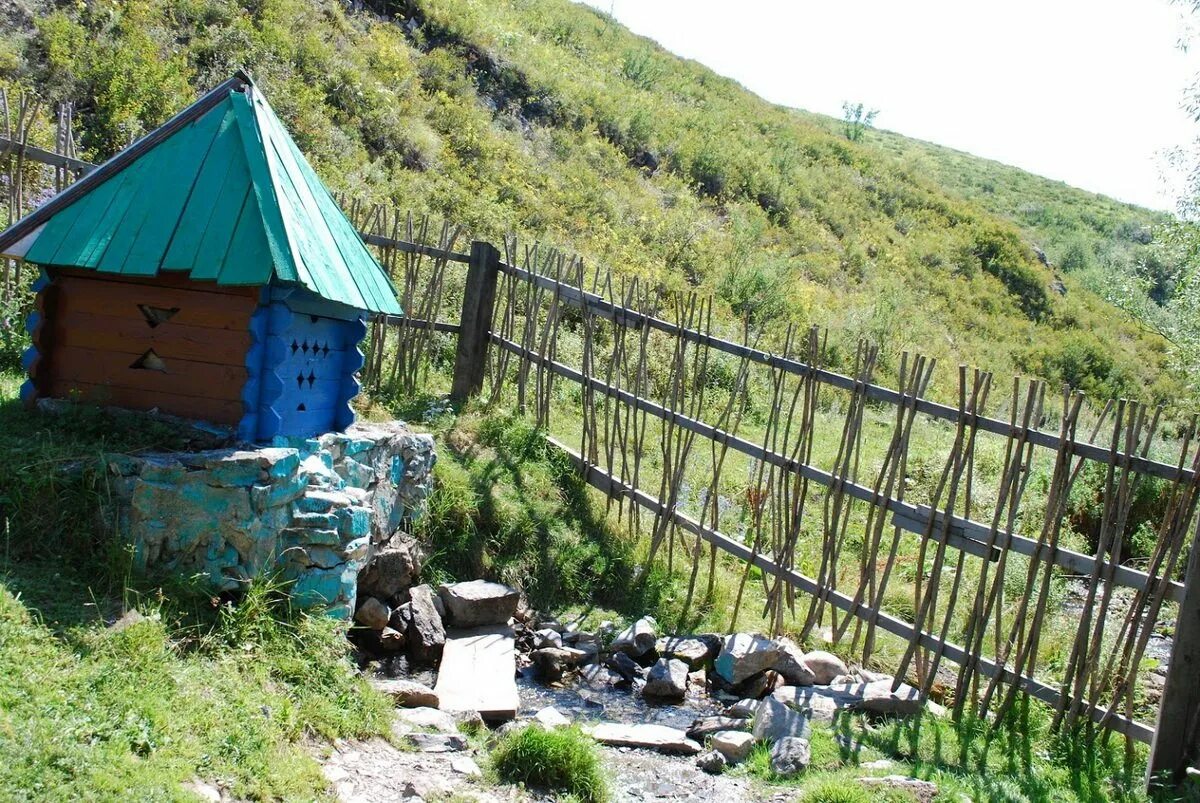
912,788
712,762
437,742
427,718
791,664
653,737
406,693
734,745
692,651
744,655
390,571
878,698
372,614
704,727
426,635
624,666
666,680
637,639
479,602
774,721
546,637
551,718
742,709
553,662
790,756
465,765
758,686
825,666
392,640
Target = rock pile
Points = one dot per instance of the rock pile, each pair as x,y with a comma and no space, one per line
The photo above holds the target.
773,688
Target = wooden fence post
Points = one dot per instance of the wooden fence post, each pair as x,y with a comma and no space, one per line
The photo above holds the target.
1177,737
479,296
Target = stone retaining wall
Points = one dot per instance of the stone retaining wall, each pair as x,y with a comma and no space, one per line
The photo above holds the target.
313,510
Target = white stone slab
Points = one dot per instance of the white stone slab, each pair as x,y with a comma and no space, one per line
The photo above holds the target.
478,672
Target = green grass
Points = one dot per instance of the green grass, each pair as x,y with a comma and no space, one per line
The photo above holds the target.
229,691
94,712
563,760
1026,763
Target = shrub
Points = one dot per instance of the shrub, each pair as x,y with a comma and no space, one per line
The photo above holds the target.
561,760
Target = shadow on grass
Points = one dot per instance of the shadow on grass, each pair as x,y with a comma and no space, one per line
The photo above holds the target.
517,510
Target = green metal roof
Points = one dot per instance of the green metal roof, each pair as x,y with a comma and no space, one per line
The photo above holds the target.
221,193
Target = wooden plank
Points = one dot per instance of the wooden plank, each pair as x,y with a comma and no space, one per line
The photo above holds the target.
208,310
401,322
173,280
1177,738
46,157
960,530
214,410
478,672
602,481
479,297
406,247
125,335
636,320
181,377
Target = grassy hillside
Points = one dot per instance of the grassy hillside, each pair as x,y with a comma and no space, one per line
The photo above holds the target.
550,119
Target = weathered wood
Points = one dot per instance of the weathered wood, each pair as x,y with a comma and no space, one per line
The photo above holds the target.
214,410
127,335
637,320
602,481
478,673
1176,742
195,307
981,534
181,377
479,297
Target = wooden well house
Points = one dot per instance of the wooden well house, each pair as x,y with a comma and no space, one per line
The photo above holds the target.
205,272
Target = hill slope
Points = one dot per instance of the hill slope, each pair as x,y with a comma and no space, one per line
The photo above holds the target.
550,119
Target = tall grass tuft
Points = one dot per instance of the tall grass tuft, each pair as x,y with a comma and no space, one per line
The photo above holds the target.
560,760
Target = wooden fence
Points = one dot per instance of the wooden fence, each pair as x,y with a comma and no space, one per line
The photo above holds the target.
987,554
736,450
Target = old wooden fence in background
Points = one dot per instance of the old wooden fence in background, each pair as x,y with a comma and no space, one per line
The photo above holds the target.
665,408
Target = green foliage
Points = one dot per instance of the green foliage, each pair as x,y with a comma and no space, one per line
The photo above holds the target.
13,337
563,760
547,118
504,505
856,119
837,791
1083,362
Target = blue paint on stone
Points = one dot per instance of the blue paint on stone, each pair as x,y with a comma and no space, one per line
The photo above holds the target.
354,522
286,491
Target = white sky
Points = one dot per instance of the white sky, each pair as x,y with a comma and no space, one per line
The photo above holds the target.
1086,91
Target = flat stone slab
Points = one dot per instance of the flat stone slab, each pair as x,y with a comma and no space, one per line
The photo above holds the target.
652,737
478,672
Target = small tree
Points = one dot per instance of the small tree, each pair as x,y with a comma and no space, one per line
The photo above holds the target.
856,118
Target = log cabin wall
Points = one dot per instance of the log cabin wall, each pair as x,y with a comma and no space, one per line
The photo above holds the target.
162,342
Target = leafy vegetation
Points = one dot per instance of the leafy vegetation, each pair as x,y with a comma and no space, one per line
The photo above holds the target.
549,119
966,759
563,760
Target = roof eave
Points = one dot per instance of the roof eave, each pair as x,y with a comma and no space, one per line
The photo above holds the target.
18,231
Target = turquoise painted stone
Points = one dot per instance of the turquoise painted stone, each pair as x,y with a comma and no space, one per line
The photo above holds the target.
269,496
295,536
354,522
357,474
324,521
